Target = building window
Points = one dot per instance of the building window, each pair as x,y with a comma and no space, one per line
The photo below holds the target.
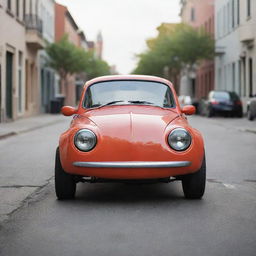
224,21
18,8
248,8
234,76
30,7
193,14
9,5
24,9
228,18
233,13
238,12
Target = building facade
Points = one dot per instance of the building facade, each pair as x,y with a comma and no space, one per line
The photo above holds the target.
48,77
25,27
235,46
12,60
66,25
34,43
199,80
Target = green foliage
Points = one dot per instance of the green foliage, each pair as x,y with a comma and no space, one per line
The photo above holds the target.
174,49
66,58
97,68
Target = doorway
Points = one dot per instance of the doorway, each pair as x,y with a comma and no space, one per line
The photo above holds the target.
250,77
9,84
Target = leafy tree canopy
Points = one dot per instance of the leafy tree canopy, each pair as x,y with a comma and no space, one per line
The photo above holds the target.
97,68
176,46
66,58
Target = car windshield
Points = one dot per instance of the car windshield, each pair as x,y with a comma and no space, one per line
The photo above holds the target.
128,92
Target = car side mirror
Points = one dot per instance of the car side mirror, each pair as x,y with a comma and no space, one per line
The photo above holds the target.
188,110
68,111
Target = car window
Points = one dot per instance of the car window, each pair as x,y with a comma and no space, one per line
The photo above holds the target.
129,92
234,96
221,95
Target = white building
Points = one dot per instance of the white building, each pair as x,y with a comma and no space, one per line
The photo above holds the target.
235,22
48,77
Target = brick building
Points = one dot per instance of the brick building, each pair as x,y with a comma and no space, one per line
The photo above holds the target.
66,25
199,14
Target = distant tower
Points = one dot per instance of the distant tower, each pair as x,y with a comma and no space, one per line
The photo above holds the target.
99,46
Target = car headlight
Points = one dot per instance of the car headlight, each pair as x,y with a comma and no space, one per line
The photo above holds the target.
85,140
179,139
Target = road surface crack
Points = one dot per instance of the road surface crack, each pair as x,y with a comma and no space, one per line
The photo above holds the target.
20,186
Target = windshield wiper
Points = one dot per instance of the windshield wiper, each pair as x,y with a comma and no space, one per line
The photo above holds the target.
140,102
107,104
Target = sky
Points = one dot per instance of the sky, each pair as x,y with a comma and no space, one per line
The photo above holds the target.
125,25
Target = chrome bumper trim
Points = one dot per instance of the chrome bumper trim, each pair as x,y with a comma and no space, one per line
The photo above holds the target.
132,164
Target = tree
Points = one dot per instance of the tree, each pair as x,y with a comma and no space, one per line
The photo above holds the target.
66,58
175,47
97,67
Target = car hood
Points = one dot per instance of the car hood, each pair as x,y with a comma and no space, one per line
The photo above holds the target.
133,123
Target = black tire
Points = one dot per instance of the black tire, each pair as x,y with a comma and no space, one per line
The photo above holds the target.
194,184
65,185
250,115
240,114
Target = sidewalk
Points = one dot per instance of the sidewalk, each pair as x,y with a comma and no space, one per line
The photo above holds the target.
240,124
28,124
17,182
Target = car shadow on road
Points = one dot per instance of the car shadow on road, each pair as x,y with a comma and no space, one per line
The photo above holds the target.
129,193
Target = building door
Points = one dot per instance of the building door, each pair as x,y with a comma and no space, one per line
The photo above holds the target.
42,91
27,86
9,84
0,93
250,77
193,86
48,91
244,76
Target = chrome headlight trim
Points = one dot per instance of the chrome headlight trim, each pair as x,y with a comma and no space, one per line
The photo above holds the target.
85,140
179,139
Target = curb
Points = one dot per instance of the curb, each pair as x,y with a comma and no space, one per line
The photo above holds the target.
10,134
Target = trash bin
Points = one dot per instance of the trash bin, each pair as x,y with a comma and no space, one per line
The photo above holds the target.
57,104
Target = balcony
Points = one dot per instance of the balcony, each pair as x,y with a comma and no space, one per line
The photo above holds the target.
247,33
220,50
34,32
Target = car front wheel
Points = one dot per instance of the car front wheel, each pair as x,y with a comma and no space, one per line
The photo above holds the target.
65,184
194,184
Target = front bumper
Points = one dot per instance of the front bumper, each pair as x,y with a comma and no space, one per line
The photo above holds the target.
155,164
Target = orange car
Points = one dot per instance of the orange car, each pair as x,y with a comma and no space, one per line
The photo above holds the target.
130,129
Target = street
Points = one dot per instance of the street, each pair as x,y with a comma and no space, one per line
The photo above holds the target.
119,219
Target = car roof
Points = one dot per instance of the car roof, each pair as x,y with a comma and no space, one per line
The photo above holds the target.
128,77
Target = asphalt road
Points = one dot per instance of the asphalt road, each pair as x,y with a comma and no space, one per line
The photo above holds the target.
117,219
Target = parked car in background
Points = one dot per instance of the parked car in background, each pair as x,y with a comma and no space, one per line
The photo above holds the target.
251,108
223,102
130,129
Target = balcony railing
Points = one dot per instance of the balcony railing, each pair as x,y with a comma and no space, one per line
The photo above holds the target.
33,22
